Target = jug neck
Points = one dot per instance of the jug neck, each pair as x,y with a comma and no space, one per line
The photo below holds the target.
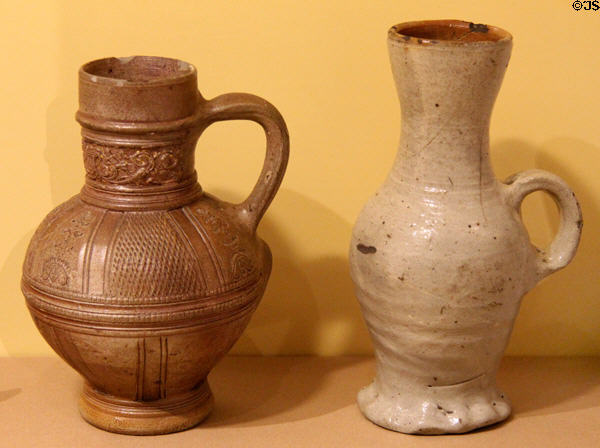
447,75
139,172
139,129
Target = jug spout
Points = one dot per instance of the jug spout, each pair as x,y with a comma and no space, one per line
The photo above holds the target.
447,74
137,89
448,70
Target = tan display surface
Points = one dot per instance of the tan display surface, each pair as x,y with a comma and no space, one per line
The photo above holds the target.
305,402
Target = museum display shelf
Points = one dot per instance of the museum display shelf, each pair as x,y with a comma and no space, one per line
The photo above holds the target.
304,401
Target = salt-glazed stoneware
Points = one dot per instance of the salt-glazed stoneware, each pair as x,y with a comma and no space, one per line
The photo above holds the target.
439,255
142,282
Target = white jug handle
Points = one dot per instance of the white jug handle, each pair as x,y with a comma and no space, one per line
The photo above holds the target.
562,249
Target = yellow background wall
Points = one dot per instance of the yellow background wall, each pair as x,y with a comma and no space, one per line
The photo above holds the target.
324,64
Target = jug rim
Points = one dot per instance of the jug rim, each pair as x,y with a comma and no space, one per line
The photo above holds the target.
137,71
448,32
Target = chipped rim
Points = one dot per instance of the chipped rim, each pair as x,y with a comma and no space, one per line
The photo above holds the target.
186,71
404,33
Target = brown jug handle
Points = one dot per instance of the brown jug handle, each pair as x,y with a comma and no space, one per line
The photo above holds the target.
562,249
243,106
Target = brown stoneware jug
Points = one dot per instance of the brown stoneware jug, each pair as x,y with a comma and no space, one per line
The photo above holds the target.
439,255
142,282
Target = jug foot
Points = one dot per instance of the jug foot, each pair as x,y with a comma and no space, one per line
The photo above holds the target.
427,414
161,416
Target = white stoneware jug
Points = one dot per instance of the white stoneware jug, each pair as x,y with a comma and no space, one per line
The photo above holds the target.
439,256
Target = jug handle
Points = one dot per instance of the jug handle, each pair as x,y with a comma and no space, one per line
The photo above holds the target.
244,106
562,248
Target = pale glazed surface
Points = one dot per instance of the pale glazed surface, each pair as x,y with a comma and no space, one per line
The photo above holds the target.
439,255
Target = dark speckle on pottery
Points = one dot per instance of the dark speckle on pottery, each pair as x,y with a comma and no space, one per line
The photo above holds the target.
478,28
366,249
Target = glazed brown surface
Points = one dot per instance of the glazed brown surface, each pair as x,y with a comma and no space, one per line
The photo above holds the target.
142,282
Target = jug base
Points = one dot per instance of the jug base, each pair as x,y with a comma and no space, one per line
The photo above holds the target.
132,417
424,415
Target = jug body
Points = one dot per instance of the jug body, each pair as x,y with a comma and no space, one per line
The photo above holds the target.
439,255
142,282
